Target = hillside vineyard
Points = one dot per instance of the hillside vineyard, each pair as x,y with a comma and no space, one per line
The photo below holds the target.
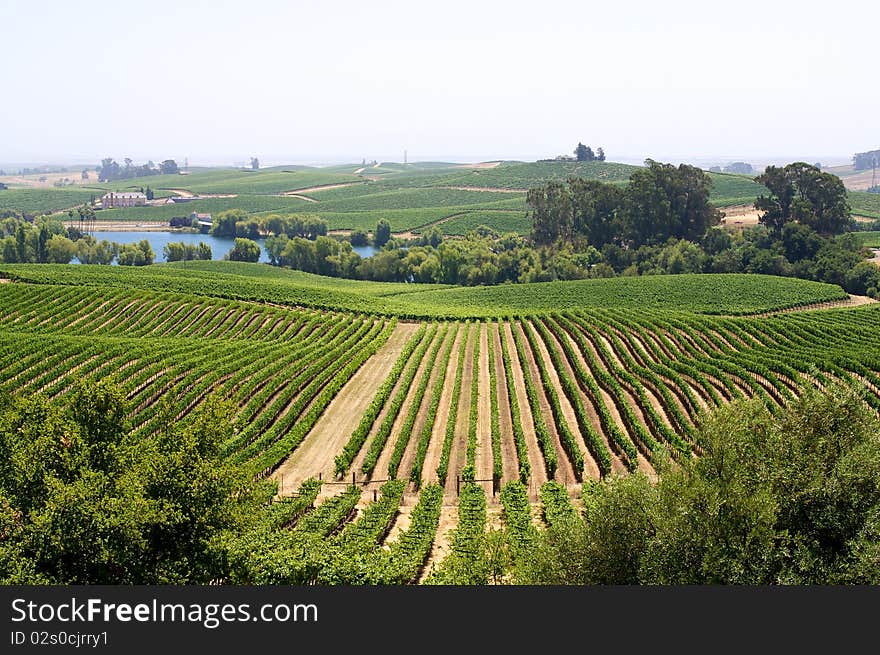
397,440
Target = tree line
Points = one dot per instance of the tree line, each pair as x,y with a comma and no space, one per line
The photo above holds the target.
110,169
663,222
47,241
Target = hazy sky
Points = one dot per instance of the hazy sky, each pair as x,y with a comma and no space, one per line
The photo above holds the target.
293,81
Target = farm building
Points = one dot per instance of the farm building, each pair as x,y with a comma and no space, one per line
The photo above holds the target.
127,199
204,221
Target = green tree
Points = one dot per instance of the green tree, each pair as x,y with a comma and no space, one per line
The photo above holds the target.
790,497
60,250
580,152
595,210
550,211
223,224
83,503
663,201
383,233
300,254
244,250
174,252
275,246
169,167
249,229
359,238
136,254
802,193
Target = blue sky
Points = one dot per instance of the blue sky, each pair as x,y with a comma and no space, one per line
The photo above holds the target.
304,81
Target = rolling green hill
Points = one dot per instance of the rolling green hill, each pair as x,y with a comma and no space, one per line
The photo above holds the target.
708,294
411,197
44,200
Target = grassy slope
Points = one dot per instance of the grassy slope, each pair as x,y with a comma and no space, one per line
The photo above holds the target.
728,294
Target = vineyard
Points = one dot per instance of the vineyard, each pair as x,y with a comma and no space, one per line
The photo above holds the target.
411,197
399,445
865,204
705,293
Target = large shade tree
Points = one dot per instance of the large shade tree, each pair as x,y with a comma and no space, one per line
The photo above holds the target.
802,193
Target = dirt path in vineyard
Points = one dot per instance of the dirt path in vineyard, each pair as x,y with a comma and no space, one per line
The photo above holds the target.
458,452
484,459
315,454
438,432
509,458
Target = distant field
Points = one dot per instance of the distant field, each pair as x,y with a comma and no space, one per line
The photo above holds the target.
854,180
519,175
46,180
240,181
728,190
250,204
870,239
407,199
706,294
44,200
499,220
410,197
865,204
268,285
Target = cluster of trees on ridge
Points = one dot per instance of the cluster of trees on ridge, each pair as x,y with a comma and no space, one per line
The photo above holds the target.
789,497
737,168
110,169
585,153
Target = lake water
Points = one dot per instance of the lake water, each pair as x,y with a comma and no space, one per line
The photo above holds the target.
219,246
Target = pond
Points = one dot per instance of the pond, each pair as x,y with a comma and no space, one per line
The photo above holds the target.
219,245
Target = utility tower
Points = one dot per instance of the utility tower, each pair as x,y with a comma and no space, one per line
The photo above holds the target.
404,157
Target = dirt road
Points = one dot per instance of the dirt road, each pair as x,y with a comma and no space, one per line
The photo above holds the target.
316,453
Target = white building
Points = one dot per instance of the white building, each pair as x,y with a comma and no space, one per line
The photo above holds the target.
127,199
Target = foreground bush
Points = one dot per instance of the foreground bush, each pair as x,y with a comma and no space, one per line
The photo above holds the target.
792,498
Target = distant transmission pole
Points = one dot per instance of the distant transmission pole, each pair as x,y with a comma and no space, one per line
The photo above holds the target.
404,157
